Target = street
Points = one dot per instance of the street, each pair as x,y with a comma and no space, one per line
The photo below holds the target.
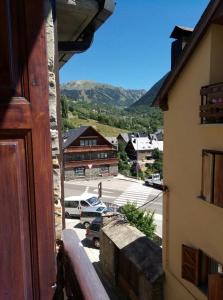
120,190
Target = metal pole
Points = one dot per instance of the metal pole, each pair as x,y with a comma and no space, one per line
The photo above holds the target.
137,174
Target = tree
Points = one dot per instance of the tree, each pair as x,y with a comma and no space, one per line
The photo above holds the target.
64,106
142,220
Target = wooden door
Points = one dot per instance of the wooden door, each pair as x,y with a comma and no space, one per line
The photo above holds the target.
27,264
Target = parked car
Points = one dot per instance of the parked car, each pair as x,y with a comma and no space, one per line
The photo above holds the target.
154,181
89,214
93,232
75,204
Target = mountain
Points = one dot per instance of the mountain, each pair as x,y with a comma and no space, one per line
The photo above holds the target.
91,91
148,98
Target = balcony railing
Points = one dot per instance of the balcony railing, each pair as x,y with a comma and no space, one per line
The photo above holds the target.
95,163
211,109
81,149
76,275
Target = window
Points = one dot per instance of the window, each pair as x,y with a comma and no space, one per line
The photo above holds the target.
104,169
95,227
79,171
102,155
72,204
84,203
212,177
211,109
88,142
203,271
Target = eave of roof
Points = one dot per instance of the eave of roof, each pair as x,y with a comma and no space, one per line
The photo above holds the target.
161,99
85,17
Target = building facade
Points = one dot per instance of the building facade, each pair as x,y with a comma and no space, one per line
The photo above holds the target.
192,100
88,154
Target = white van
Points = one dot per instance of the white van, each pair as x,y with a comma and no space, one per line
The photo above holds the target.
74,204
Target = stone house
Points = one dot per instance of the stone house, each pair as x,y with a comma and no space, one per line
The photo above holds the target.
131,261
192,101
88,154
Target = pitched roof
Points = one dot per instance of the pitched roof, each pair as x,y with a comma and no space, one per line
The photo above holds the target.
209,14
145,143
73,134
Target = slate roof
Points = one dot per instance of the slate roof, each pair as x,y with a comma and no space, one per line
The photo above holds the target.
141,251
72,135
127,136
145,143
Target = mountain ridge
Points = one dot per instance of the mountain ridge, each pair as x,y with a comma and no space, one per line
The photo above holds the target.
92,91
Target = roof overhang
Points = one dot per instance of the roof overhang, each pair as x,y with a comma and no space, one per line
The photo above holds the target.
212,14
77,21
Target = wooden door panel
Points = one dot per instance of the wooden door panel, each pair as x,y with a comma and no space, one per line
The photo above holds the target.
14,230
15,114
27,261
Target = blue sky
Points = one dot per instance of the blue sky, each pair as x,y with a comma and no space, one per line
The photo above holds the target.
132,49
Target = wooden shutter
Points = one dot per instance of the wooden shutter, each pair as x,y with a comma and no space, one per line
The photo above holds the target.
218,180
207,175
190,264
215,287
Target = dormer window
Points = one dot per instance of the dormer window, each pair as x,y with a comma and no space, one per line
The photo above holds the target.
211,109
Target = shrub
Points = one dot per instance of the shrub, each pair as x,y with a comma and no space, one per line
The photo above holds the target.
142,220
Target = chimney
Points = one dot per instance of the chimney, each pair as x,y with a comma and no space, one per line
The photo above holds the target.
181,36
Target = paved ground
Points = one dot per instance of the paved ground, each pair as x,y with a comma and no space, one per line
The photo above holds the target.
120,190
93,255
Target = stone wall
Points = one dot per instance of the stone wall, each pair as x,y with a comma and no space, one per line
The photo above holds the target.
91,173
54,106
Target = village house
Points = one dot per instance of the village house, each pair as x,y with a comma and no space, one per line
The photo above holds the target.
192,101
31,33
141,148
88,154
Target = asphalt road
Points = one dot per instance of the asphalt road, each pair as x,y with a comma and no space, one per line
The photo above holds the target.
118,188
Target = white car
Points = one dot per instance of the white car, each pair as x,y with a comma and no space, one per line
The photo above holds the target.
75,204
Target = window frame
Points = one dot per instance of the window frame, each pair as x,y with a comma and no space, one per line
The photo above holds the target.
214,174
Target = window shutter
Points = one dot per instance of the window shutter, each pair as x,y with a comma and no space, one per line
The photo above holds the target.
190,264
207,176
218,180
215,287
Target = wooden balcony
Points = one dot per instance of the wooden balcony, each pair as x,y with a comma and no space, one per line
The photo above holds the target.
211,108
94,163
76,274
82,149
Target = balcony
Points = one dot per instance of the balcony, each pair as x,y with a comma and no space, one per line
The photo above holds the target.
82,149
211,109
76,275
96,162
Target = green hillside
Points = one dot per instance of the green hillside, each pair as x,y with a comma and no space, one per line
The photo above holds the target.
105,130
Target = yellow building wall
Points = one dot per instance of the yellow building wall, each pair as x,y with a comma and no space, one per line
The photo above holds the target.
187,219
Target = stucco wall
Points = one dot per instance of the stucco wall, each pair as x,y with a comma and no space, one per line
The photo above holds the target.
187,219
54,124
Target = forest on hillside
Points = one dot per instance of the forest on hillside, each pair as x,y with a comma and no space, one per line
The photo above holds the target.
144,118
